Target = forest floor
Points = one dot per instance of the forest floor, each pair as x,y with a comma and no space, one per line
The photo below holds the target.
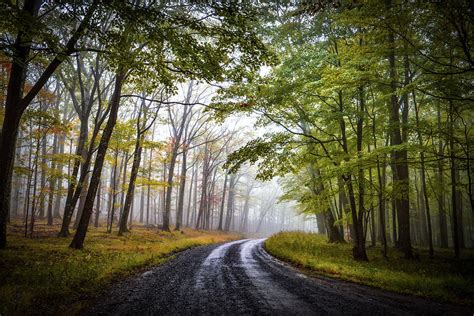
441,278
42,275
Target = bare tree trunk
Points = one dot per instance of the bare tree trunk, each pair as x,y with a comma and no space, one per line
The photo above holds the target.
13,112
69,207
41,211
230,202
399,157
35,180
459,212
169,190
221,213
148,190
97,209
78,240
82,200
60,167
454,200
182,186
52,183
142,195
194,215
191,183
204,194
131,185
115,182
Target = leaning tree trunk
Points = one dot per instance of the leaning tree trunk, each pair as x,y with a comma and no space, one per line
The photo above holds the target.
72,186
78,240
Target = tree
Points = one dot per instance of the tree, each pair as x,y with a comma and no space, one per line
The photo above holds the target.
163,53
16,103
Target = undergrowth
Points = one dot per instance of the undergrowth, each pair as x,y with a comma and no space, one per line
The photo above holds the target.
42,275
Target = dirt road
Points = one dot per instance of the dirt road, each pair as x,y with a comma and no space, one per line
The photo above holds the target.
241,278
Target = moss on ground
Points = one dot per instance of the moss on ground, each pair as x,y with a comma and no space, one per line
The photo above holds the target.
442,278
42,275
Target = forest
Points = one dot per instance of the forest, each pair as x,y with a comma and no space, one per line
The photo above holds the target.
214,120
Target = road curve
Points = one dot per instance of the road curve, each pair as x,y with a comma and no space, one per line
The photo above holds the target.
240,278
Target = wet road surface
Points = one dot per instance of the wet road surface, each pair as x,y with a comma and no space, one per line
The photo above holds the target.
240,278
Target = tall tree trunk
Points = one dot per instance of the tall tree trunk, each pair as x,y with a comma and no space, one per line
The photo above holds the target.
82,199
115,181
245,213
423,179
35,181
148,203
204,194
381,195
97,207
399,156
195,195
124,180
78,240
41,210
17,183
182,186
188,208
358,250
13,112
459,212
131,184
52,183
169,189
72,185
454,200
15,104
230,202
142,195
60,167
221,212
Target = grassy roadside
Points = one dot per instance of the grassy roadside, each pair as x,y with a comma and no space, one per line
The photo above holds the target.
442,278
42,275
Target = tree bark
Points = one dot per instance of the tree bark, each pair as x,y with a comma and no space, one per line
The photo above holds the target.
454,200
182,186
230,202
13,112
221,212
131,184
78,240
399,157
97,207
52,183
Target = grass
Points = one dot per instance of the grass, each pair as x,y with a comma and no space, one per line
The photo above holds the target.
441,278
42,275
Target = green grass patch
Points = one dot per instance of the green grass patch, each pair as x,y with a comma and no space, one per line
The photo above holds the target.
442,278
42,275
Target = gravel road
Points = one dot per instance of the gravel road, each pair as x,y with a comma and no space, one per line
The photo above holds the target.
241,278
